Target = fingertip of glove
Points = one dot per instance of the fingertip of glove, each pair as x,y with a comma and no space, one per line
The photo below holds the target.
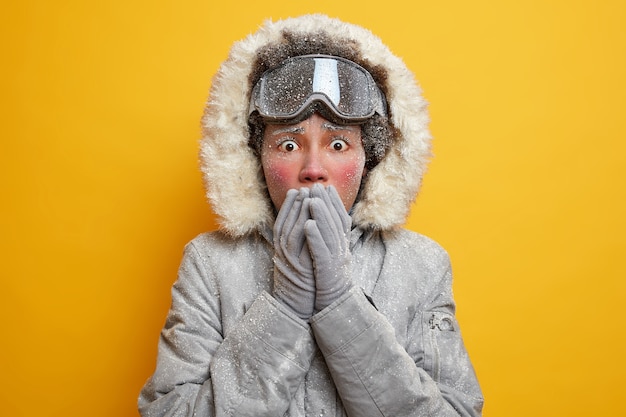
317,190
316,205
334,194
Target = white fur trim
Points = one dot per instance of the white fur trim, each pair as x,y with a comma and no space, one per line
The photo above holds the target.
232,173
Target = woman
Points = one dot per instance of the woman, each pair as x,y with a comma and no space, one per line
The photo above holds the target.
312,300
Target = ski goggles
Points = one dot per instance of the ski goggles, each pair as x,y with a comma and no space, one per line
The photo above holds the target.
347,89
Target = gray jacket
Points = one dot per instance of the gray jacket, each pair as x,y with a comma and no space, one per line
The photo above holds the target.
392,347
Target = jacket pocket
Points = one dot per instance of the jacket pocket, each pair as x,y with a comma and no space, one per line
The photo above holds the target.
443,347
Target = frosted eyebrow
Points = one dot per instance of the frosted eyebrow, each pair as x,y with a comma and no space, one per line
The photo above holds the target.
333,127
289,129
295,130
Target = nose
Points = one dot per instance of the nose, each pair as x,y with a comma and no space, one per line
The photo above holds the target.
313,168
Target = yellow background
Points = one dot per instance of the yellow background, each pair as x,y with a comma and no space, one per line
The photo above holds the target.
100,188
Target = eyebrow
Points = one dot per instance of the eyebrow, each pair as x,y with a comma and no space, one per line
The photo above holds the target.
334,127
288,129
299,130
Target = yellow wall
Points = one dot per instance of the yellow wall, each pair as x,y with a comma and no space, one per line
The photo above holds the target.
100,189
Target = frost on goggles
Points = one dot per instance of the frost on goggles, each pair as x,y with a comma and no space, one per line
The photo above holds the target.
347,89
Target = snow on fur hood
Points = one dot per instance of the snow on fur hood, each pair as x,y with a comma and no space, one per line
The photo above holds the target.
232,173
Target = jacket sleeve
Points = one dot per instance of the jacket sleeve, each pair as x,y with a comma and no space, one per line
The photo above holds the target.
374,374
253,371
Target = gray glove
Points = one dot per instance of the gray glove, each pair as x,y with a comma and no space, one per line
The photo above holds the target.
327,236
294,284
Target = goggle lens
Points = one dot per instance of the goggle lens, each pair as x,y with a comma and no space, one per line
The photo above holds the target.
346,88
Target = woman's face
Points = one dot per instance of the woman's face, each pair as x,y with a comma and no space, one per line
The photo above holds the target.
313,151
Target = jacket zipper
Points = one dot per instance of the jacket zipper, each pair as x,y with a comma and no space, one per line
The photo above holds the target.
435,346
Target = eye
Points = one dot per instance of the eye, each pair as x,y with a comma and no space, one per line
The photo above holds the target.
338,145
288,146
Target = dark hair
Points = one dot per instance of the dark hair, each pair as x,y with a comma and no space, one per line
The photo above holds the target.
377,133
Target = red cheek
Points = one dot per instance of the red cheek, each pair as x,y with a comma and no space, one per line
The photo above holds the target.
280,178
347,179
278,174
353,172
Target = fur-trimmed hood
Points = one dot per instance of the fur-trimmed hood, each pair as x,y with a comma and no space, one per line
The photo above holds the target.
232,173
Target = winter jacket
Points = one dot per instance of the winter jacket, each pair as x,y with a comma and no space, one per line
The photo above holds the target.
229,349
391,346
